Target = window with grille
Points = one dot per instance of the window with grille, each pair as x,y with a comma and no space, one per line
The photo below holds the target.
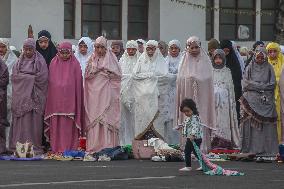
209,20
267,29
101,17
138,19
239,26
69,19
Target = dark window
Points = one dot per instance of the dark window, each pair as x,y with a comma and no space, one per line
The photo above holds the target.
209,20
101,17
237,26
138,19
69,18
267,29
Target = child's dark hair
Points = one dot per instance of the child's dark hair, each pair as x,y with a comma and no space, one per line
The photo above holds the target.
190,104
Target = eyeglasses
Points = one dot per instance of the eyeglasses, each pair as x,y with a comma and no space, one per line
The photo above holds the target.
194,47
65,51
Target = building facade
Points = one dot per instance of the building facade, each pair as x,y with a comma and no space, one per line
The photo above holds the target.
147,19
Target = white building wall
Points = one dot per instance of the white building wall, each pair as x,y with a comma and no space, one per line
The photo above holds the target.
5,18
41,14
179,21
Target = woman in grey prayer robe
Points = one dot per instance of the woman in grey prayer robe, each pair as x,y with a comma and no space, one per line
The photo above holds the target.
258,112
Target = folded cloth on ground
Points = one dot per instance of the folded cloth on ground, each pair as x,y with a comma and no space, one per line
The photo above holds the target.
163,149
74,153
116,153
225,151
174,146
53,155
128,150
159,144
13,158
242,157
217,157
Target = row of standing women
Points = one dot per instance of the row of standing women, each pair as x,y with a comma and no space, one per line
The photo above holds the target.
91,94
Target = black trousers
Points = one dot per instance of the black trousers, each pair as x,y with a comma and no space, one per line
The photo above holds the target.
189,148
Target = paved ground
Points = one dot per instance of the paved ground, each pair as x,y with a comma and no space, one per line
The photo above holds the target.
134,174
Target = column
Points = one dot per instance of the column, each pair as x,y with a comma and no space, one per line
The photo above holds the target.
124,20
78,21
216,20
257,20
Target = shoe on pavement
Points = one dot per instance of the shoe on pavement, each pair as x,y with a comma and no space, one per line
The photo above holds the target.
104,158
156,158
199,169
186,169
89,157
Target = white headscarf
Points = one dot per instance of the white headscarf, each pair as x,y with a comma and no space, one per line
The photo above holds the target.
175,42
132,44
9,58
173,62
83,59
13,48
151,65
141,41
127,62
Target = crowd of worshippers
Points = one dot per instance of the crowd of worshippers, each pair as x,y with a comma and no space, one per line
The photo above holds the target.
51,96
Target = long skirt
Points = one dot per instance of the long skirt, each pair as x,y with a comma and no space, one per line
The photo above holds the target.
27,128
262,140
101,136
63,133
126,131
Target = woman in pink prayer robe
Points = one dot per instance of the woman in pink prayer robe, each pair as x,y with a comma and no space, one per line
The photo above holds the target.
195,80
63,113
102,103
29,87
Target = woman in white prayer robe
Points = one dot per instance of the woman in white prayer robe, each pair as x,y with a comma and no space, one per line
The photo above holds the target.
127,63
174,57
142,92
149,90
10,59
83,52
227,134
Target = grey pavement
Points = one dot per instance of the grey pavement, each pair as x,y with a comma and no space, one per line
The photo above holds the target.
134,174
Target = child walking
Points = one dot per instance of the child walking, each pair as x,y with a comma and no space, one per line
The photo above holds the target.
191,130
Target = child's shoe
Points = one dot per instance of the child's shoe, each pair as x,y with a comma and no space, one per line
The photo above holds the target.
199,169
186,169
